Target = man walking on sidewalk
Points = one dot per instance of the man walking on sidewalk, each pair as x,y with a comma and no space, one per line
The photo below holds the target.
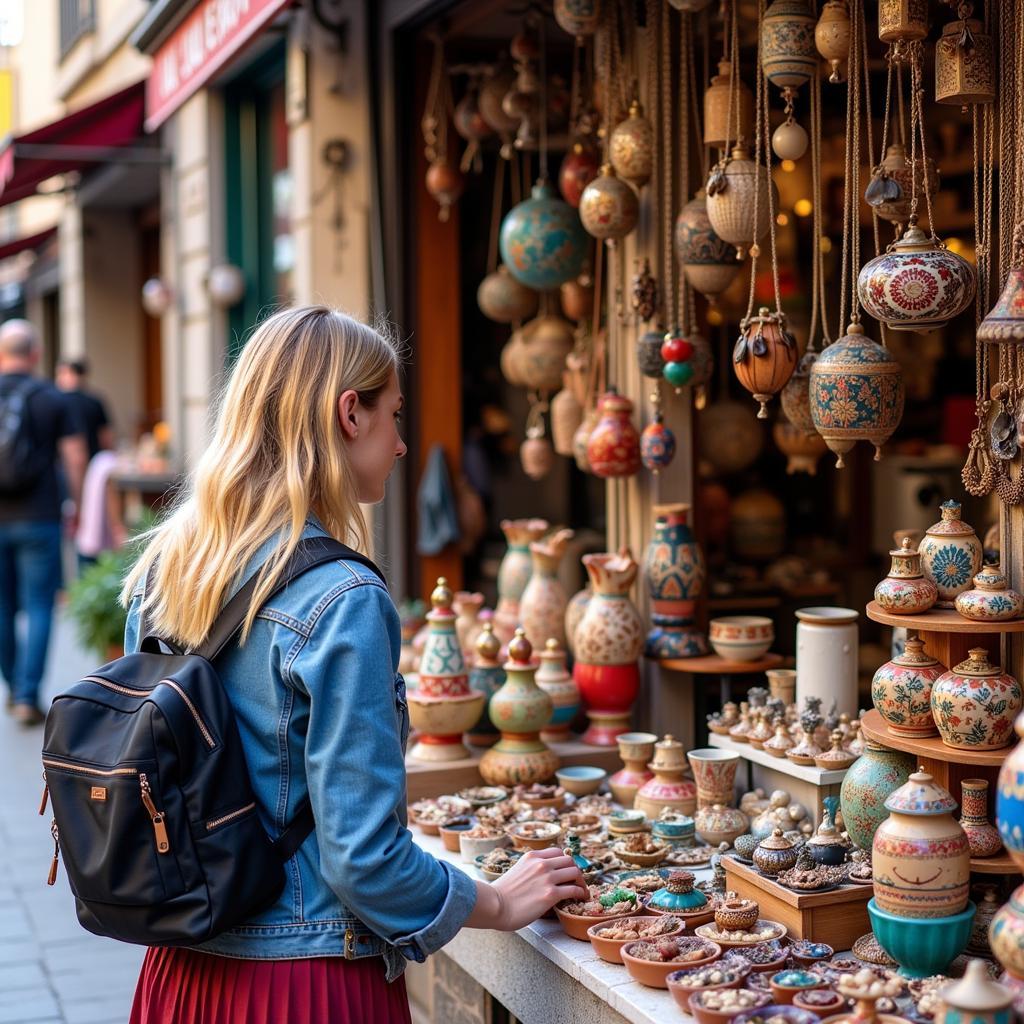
37,427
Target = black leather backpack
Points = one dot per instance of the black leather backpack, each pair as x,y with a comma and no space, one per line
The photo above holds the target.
152,804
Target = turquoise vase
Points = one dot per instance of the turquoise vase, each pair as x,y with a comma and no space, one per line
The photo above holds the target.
868,783
1010,799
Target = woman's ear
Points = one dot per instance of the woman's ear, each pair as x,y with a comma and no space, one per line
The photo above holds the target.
347,406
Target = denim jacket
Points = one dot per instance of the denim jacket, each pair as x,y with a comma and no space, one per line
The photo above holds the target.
321,710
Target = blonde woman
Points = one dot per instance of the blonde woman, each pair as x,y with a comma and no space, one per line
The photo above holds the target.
308,429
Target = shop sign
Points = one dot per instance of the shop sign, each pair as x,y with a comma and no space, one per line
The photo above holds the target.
212,33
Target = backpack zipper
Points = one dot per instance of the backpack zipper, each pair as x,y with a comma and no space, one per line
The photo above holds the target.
163,843
210,825
51,878
88,769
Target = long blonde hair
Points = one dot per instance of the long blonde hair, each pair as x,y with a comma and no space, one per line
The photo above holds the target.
276,455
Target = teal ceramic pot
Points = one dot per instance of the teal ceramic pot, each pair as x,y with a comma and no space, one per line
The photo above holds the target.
679,832
1010,799
679,895
868,783
922,946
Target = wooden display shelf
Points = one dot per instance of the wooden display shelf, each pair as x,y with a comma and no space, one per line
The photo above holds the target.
998,865
804,772
713,665
838,917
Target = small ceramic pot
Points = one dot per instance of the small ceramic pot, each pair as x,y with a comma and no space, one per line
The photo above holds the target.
975,703
741,637
654,974
698,1005
744,845
786,984
975,998
678,896
541,836
819,1001
581,780
669,789
901,691
714,771
906,590
776,1012
807,953
982,835
689,981
577,926
951,554
610,950
451,832
836,758
775,854
718,824
737,915
470,847
991,600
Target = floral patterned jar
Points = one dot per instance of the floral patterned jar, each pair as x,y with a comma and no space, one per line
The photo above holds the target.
920,858
901,691
1010,799
613,448
982,835
950,554
878,772
975,703
991,600
906,590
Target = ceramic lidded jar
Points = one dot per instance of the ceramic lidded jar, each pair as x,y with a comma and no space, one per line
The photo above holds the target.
982,835
920,856
906,590
878,772
826,846
975,999
543,602
669,789
613,448
975,703
901,691
991,600
1010,799
678,895
951,554
775,854
709,263
514,572
557,682
487,676
675,573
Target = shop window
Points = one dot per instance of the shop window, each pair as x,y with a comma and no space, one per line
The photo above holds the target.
77,18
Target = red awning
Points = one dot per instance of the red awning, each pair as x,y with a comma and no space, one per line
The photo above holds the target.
95,134
17,245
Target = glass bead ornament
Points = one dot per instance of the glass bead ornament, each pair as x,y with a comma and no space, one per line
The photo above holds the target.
542,241
504,299
902,21
917,284
609,208
856,393
688,360
708,262
580,166
832,36
965,65
720,101
764,357
657,445
631,147
731,200
578,17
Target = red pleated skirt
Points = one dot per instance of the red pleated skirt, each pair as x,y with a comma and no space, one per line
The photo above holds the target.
184,986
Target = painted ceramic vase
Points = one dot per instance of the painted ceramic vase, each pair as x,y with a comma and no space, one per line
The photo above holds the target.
964,74
467,620
557,682
675,573
520,709
826,657
578,17
609,208
975,703
580,166
543,602
669,790
917,285
902,20
975,999
613,448
982,835
635,749
832,36
631,147
719,824
991,600
678,895
764,356
514,572
657,445
1006,936
920,856
1005,320
788,56
775,854
504,299
574,612
487,676
856,393
901,691
735,216
878,772
720,103
609,639
951,554
891,188
906,590
710,265
1010,799
714,772
443,706
542,241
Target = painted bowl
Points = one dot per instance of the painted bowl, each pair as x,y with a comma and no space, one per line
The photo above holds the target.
922,946
577,926
780,1012
821,1001
741,637
557,801
641,860
696,1004
786,984
484,796
678,827
534,835
701,979
611,949
775,964
654,973
711,932
472,847
452,829
581,779
807,953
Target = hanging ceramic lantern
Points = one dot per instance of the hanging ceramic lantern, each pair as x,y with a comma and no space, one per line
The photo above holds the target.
546,341
917,285
1005,320
566,417
657,445
796,397
577,297
631,148
832,36
609,207
504,299
445,184
709,263
731,206
578,17
613,449
720,129
788,56
902,20
856,393
494,89
580,166
892,184
536,454
543,243
965,66
802,448
648,354
764,357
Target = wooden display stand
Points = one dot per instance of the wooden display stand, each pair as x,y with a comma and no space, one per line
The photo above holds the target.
839,917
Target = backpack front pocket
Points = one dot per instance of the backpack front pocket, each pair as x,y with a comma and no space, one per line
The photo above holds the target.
100,809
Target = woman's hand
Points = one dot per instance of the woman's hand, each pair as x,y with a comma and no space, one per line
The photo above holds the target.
529,889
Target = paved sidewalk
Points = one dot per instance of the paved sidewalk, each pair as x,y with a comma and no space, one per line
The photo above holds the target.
52,971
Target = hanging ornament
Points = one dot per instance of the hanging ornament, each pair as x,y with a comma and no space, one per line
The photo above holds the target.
790,140
795,397
709,263
581,440
444,180
566,417
445,183
648,354
542,241
965,68
856,393
580,166
657,445
788,56
732,211
832,36
546,341
688,360
644,299
893,183
577,297
470,124
578,17
522,102
764,357
631,149
738,436
802,448
917,284
609,208
510,361
613,448
720,113
493,90
535,453
902,21
1005,320
504,299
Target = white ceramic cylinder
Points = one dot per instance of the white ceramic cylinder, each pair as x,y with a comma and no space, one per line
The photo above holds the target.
826,657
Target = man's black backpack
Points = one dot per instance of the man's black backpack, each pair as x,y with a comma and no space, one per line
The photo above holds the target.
153,808
22,461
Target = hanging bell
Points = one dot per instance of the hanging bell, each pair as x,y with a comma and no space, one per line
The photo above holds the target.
788,56
902,21
609,208
578,17
657,445
892,184
631,147
1005,320
764,357
965,71
731,201
720,128
709,264
832,36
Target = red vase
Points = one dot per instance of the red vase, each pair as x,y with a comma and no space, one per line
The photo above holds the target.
613,448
